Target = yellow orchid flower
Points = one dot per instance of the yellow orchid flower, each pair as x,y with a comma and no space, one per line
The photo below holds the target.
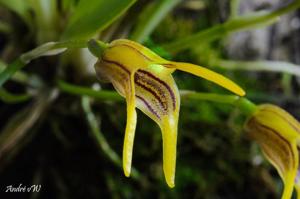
277,132
145,80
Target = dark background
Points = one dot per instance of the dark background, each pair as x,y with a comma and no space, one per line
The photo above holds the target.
49,141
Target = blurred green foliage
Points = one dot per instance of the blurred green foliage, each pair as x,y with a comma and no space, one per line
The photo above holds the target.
69,138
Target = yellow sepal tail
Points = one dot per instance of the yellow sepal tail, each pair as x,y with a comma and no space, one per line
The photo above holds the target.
209,75
169,136
289,178
130,128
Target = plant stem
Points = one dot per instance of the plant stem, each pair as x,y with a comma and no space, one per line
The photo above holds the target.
96,47
24,78
191,95
242,103
101,140
245,105
85,91
19,76
10,70
12,98
47,49
151,16
272,66
98,135
233,25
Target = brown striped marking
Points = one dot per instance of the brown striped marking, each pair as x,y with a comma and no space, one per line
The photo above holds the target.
164,84
153,89
117,64
148,106
149,74
252,120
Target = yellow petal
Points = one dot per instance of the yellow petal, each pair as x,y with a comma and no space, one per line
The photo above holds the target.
169,134
130,129
277,132
158,97
123,81
208,75
297,184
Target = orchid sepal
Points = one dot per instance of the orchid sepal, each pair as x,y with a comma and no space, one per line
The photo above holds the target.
278,134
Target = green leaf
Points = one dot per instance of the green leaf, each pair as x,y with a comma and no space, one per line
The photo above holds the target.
46,20
92,16
12,98
150,17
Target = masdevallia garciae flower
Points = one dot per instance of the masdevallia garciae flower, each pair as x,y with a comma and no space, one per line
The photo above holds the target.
145,80
278,133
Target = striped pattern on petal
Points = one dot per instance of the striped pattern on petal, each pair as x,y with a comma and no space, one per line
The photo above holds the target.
277,132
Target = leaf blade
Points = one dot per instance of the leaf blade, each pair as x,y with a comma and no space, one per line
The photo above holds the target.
94,16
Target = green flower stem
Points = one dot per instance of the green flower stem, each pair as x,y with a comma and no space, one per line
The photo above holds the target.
85,91
12,98
101,140
151,16
256,19
96,47
271,66
242,103
245,105
47,49
191,95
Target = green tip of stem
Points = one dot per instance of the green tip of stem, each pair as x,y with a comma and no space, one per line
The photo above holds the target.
246,106
96,47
